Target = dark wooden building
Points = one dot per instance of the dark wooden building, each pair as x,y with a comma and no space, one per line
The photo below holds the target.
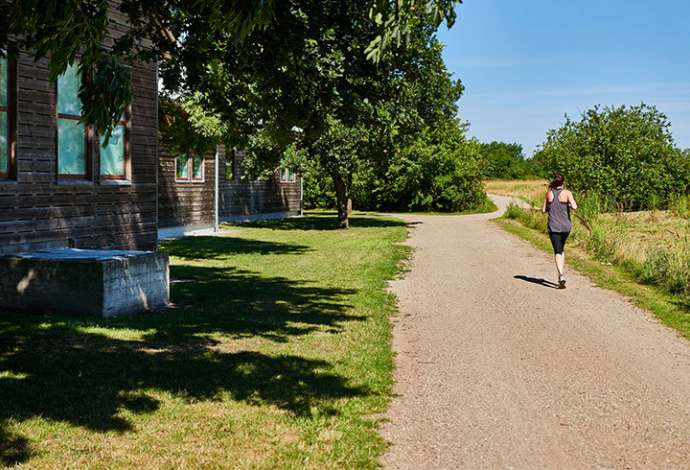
186,193
59,185
244,199
188,200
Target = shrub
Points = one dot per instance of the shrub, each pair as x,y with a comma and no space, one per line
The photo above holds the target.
625,154
501,160
680,205
513,211
669,268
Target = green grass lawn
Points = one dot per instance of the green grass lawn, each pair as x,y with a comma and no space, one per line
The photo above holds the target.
276,355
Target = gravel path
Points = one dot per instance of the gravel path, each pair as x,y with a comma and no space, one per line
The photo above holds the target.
498,372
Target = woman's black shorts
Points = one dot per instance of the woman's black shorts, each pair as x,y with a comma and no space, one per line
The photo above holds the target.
558,241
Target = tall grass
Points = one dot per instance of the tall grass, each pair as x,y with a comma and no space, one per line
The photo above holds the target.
655,249
680,206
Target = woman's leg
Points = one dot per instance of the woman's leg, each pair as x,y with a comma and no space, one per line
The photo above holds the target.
560,263
558,243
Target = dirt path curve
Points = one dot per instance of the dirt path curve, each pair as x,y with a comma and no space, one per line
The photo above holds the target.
498,372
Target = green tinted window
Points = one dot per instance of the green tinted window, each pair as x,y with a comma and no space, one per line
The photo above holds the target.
182,169
71,147
113,154
4,82
198,168
4,143
68,91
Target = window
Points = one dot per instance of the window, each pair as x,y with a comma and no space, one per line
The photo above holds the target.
197,168
7,118
189,168
73,149
114,156
287,175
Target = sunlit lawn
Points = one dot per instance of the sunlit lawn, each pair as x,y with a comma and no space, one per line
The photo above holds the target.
276,354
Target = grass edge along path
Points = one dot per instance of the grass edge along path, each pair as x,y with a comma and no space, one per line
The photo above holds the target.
277,354
666,307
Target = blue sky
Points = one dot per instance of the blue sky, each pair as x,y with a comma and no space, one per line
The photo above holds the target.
525,64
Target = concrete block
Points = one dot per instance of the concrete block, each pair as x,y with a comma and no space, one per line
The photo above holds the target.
99,282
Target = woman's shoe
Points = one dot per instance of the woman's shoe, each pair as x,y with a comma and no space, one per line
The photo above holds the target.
561,281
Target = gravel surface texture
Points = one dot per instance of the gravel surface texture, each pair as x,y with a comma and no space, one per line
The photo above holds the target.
497,371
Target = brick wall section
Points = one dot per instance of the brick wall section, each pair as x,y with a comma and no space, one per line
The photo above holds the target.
36,211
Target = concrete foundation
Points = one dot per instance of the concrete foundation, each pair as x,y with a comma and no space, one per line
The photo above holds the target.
98,282
172,233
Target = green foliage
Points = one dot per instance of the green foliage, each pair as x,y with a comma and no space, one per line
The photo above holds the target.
432,173
625,154
680,205
318,188
501,160
397,22
531,218
187,37
513,212
185,126
407,150
669,269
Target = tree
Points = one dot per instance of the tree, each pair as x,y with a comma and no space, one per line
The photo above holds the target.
429,164
312,73
624,154
504,161
181,34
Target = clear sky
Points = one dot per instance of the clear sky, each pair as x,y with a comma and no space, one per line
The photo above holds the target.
526,63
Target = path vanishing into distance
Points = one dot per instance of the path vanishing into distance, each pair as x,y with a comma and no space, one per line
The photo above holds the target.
494,371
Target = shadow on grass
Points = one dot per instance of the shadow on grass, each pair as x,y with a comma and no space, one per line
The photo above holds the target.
13,449
61,369
202,247
324,221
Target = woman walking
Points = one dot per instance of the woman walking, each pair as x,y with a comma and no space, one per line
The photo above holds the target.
557,205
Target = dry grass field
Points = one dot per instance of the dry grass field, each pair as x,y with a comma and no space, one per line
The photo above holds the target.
531,191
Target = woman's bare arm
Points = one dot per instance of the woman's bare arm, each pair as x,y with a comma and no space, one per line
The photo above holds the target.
571,201
546,200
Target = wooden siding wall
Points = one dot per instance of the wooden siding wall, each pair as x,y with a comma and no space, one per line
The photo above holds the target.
241,197
37,211
190,204
184,204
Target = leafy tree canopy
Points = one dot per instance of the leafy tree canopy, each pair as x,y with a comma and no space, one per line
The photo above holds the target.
403,148
623,154
502,160
180,34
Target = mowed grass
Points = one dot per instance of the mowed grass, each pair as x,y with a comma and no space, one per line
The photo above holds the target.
276,355
531,191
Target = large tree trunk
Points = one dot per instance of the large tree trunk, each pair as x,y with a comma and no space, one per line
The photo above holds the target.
342,196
